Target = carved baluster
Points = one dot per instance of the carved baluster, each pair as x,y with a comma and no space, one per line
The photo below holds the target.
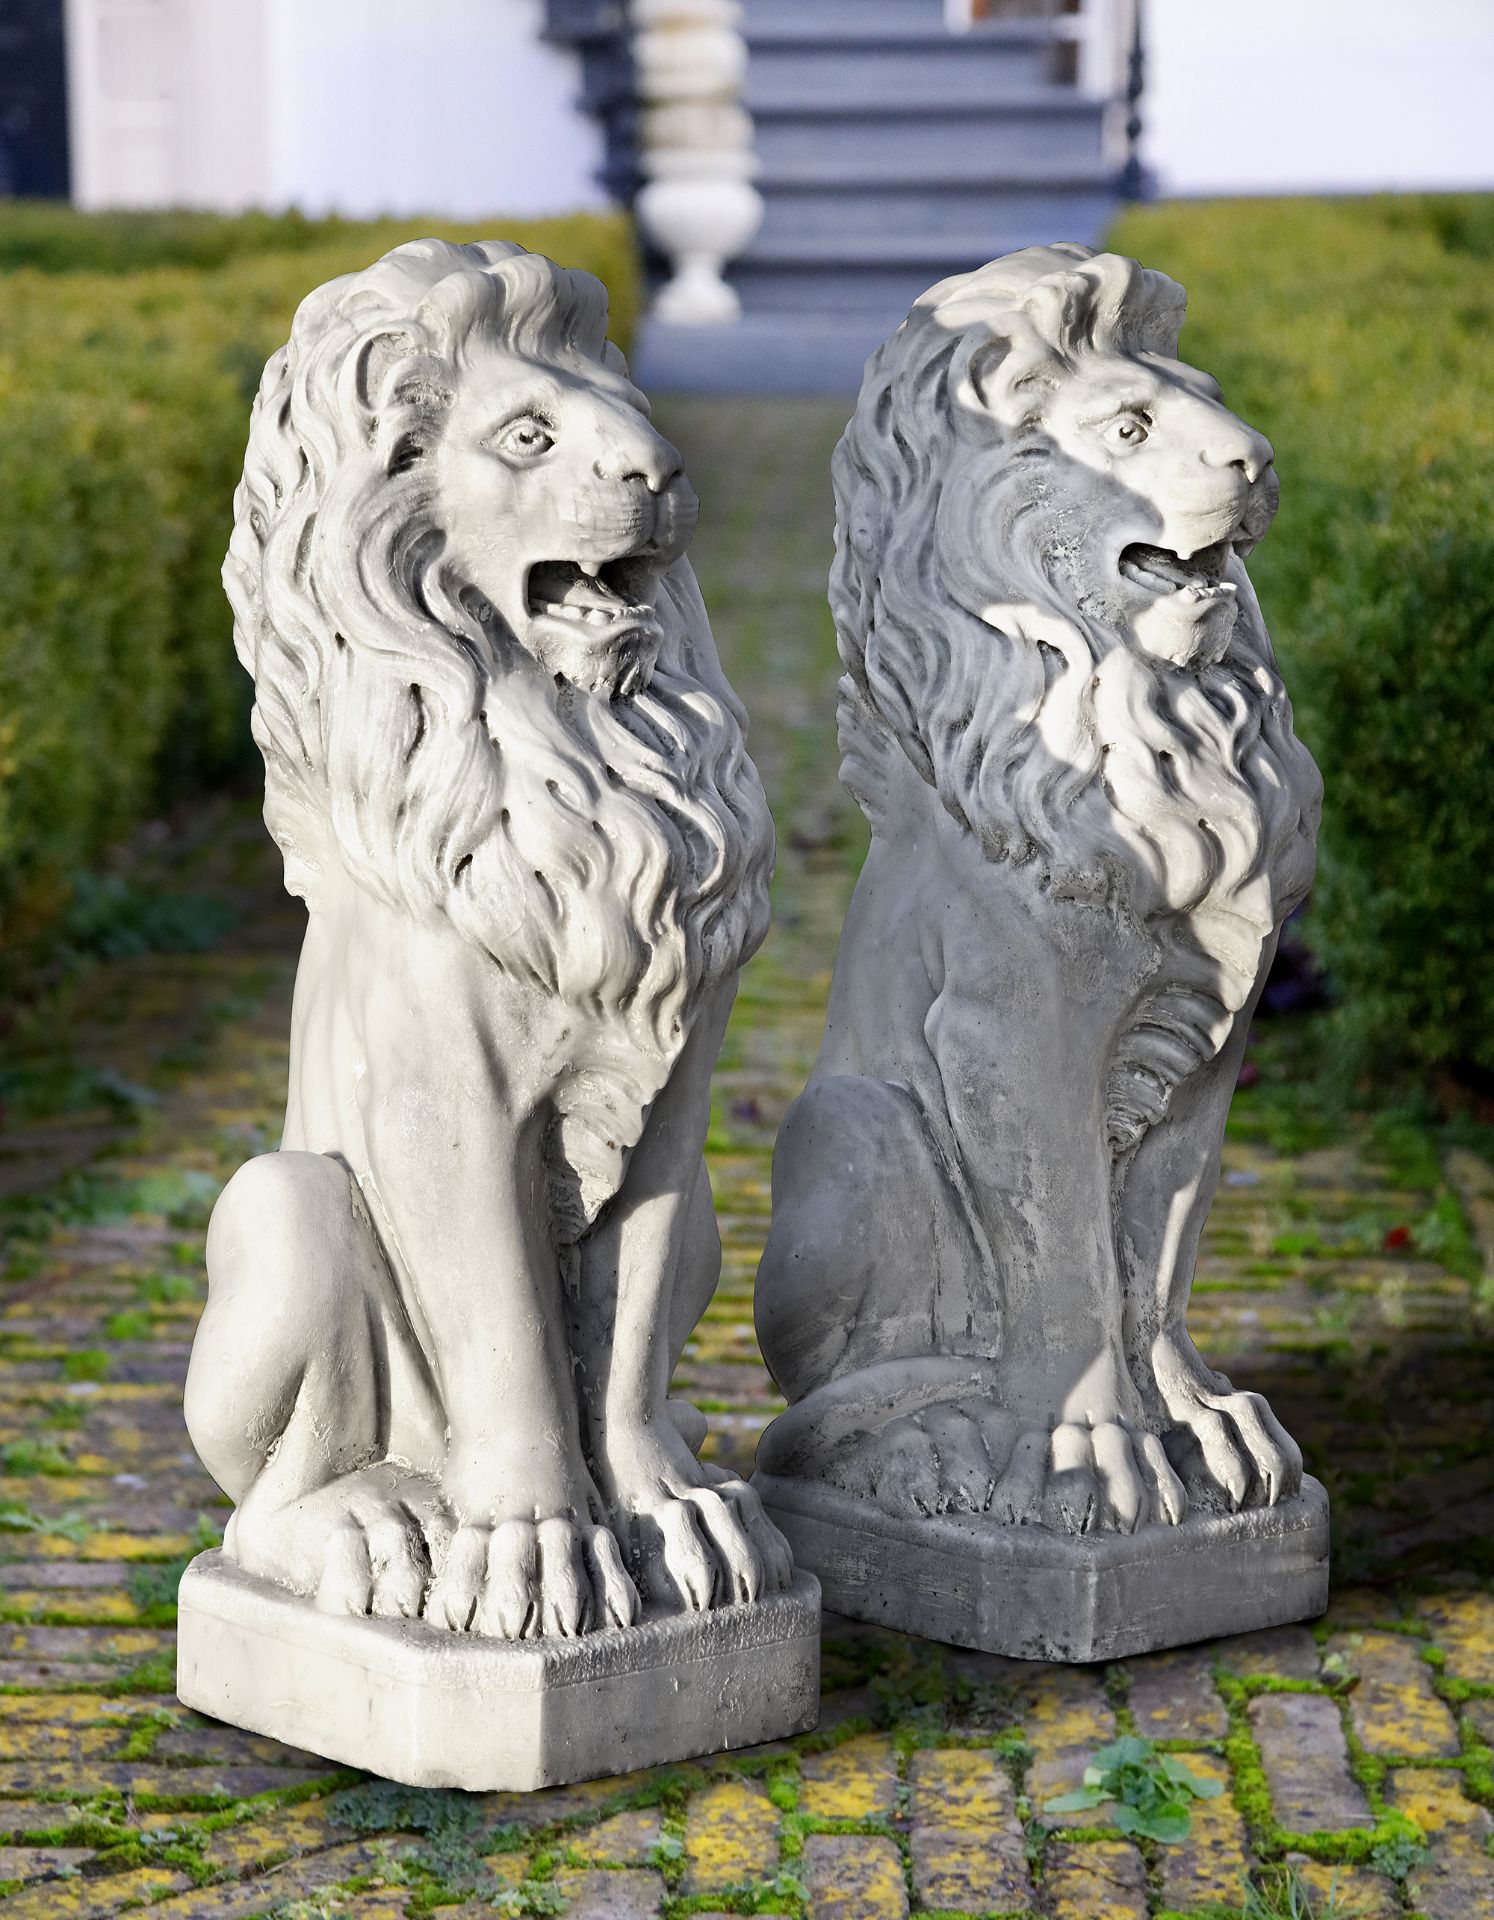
698,205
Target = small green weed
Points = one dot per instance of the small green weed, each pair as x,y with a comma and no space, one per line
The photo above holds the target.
1282,1894
1151,1791
75,1526
129,1325
88,1363
26,1457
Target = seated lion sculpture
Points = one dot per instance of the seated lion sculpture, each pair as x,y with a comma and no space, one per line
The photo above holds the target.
509,780
1089,818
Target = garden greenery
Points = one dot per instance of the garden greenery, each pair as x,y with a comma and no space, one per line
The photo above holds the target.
130,348
1355,334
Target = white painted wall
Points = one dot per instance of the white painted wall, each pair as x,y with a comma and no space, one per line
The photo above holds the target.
359,107
1305,96
448,106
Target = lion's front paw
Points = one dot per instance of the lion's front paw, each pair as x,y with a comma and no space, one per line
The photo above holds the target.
1245,1457
362,1544
973,1457
700,1536
530,1580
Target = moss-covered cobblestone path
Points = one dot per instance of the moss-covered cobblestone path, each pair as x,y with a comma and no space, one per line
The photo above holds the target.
1346,1273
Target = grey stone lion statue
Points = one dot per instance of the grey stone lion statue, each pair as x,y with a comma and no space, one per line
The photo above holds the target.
1089,818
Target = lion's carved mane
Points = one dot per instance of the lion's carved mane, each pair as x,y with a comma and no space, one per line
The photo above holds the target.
1185,790
612,853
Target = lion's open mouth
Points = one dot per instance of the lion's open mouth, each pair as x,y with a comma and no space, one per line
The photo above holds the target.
1200,575
617,590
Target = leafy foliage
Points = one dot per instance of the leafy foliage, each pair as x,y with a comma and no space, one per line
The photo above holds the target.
130,347
1151,1791
1355,334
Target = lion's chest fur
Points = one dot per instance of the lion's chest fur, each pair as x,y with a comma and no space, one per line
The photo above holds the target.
409,1043
982,984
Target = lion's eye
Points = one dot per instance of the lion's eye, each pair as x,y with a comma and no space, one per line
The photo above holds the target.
1129,431
526,438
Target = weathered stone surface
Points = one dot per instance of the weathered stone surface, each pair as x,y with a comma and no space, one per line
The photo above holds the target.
1462,1624
1457,1883
1067,1717
534,1713
1208,1868
1301,1738
1038,1594
731,1837
1290,1653
510,784
624,1839
1101,1878
1395,1708
854,1781
1355,1891
1005,1154
854,1877
626,1894
1173,1697
966,1841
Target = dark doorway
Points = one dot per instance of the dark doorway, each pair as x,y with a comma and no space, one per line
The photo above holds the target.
33,99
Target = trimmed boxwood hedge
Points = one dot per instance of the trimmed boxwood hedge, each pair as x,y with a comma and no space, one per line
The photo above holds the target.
130,347
1355,333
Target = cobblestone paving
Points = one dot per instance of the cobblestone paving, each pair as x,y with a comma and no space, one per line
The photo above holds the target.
1345,1272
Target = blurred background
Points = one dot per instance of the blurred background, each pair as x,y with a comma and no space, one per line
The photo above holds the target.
764,189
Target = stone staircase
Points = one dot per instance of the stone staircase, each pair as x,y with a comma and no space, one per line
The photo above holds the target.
894,151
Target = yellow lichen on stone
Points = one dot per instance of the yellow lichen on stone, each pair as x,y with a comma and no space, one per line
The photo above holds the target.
1099,1880
731,1837
1462,1624
626,1839
854,1877
1356,1892
1394,1707
1208,1868
854,1781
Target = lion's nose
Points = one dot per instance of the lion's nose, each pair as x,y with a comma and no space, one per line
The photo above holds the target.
644,456
1240,447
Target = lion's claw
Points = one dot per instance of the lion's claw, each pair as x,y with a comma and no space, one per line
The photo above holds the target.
970,1458
522,1580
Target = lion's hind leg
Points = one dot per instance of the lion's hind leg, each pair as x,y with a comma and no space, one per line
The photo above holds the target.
875,1310
302,1370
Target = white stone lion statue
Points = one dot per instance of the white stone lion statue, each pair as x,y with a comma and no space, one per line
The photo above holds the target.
1089,817
509,780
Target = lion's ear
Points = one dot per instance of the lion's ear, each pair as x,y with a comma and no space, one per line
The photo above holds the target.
1003,369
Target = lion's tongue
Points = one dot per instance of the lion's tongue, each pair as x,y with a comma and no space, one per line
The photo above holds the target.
561,583
1203,569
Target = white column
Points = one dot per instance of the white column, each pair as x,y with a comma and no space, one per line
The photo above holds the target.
698,204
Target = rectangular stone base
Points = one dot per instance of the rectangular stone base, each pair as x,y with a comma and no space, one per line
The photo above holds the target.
435,1709
1036,1595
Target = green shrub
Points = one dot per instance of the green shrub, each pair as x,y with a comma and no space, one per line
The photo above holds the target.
1355,333
124,405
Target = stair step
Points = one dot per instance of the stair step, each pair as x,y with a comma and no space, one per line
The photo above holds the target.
958,171
874,233
761,353
1035,139
849,82
805,221
885,281
931,70
818,25
847,16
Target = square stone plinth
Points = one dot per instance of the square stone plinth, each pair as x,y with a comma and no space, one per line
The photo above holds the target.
435,1709
1036,1595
